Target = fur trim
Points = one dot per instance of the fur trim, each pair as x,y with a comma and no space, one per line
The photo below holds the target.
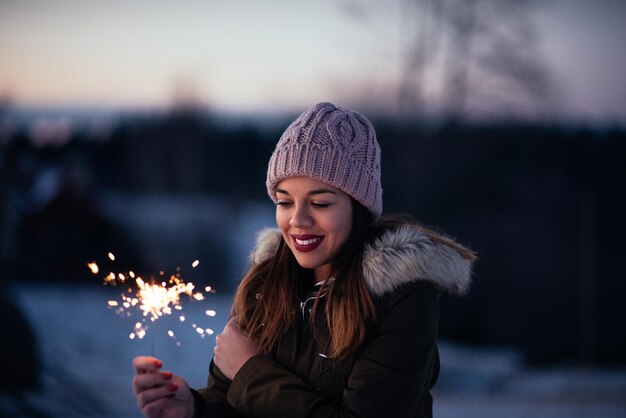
406,254
267,241
397,257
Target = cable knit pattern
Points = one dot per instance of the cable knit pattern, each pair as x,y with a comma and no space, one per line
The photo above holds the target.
334,145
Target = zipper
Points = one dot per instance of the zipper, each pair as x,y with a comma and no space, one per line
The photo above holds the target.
312,296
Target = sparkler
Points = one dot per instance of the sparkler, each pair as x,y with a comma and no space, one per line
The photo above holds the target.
152,300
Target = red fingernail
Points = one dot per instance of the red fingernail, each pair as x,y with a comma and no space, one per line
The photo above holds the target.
167,375
158,364
173,387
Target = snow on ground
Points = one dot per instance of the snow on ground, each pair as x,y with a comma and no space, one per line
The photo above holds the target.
86,351
86,365
494,382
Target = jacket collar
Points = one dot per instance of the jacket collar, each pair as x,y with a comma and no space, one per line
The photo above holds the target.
398,256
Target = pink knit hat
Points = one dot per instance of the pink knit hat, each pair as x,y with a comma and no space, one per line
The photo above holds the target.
334,145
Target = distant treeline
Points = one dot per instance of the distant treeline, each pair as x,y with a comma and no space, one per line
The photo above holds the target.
544,208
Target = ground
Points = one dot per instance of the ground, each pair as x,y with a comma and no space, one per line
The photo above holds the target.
86,359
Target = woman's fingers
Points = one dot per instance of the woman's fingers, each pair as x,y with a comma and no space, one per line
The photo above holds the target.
153,409
149,396
145,381
160,393
146,364
233,348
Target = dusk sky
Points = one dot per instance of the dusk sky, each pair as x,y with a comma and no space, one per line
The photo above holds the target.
253,56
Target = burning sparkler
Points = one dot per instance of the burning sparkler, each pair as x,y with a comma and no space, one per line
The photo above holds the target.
152,299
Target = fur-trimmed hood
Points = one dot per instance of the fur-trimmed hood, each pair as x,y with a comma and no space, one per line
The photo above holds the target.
398,256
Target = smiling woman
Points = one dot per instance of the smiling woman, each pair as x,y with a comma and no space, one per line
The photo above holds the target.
338,315
313,216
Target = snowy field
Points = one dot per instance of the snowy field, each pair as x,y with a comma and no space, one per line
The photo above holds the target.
86,365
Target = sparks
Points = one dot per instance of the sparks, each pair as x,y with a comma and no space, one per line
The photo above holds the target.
156,299
139,331
110,279
151,299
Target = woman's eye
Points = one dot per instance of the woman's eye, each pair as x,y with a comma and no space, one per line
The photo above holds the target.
320,205
282,203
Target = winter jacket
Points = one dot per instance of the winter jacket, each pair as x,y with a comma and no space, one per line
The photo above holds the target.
389,376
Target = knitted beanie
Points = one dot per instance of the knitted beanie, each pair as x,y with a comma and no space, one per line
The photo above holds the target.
334,145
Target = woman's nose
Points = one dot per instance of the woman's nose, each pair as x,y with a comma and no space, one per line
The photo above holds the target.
300,218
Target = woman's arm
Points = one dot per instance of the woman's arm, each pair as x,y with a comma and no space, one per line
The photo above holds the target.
232,350
391,376
211,401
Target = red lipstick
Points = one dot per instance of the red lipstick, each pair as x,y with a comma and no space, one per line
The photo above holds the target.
306,242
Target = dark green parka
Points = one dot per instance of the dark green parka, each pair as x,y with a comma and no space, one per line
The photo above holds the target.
389,376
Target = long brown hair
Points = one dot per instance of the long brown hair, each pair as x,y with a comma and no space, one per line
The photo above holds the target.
266,299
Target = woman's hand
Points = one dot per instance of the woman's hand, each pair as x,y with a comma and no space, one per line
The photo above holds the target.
160,394
233,348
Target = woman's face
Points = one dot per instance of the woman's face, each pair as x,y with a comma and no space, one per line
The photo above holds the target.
315,220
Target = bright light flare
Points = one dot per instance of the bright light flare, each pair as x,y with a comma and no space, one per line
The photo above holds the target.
156,300
152,299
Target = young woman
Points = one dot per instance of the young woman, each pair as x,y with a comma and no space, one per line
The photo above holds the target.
338,315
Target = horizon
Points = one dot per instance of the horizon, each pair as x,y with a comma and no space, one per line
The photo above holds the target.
118,57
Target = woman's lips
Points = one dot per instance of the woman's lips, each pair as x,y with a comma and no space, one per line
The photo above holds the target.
307,242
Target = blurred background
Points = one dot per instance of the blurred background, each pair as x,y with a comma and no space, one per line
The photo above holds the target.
144,129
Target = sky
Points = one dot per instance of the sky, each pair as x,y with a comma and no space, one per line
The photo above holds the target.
253,56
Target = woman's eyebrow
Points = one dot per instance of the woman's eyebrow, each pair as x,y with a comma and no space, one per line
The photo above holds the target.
311,193
320,191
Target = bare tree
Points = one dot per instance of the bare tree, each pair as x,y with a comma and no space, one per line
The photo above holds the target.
483,55
422,26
